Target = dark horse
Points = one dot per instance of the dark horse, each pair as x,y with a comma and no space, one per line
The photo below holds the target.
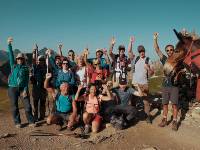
187,55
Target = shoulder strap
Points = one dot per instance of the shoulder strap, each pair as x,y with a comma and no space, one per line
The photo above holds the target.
137,58
70,98
147,60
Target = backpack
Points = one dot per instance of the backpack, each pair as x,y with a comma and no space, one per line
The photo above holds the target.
136,60
122,70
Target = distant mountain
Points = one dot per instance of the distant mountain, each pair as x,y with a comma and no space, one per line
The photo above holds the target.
5,66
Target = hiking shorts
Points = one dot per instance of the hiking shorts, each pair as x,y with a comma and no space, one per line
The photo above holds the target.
170,94
95,117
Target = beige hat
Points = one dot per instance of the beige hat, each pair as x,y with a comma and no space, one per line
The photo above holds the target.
99,50
20,55
41,57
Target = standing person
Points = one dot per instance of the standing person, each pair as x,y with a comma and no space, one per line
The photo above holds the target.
55,64
18,86
143,69
120,62
169,91
39,93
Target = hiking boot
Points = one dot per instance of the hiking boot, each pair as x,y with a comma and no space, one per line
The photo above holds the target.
163,122
87,129
174,125
18,126
149,120
32,125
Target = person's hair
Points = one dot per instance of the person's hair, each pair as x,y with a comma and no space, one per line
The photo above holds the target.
89,86
71,51
169,45
57,57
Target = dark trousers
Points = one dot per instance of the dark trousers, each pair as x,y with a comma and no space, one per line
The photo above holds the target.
129,112
14,93
39,100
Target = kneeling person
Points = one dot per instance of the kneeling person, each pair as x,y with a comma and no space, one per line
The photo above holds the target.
66,109
92,107
124,113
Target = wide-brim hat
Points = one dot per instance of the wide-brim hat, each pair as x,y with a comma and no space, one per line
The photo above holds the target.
20,55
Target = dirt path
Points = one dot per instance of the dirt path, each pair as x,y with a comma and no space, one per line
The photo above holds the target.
139,136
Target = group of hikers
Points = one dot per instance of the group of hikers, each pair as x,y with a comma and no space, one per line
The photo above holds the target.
88,90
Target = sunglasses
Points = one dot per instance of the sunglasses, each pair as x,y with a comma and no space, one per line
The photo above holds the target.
171,50
65,63
141,51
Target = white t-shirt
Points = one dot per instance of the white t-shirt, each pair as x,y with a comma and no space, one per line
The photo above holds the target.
140,74
81,75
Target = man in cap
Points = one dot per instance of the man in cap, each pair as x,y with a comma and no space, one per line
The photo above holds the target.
120,62
143,69
124,95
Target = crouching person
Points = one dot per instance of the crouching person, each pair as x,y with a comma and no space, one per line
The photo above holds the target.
91,116
65,105
123,113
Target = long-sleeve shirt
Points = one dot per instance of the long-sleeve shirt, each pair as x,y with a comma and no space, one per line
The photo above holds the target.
65,77
19,76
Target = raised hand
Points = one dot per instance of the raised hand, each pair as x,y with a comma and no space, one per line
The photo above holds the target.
49,52
48,75
104,51
112,42
132,39
60,46
80,87
86,51
155,35
10,40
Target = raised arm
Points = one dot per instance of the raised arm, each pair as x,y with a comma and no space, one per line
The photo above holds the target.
130,51
35,54
112,43
108,97
46,84
10,52
77,97
156,47
60,50
106,56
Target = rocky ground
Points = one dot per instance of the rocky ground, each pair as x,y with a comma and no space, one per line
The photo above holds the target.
140,136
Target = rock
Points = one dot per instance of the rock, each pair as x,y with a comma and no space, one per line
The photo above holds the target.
196,113
5,135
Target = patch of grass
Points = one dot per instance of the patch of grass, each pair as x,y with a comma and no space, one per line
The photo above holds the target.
4,101
155,84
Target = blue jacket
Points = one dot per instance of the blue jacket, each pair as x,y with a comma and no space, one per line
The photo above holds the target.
19,76
65,77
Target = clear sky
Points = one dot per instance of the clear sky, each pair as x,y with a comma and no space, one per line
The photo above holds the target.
77,23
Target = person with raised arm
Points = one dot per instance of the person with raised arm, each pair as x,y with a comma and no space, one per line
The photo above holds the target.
66,110
121,64
18,86
170,92
92,117
37,78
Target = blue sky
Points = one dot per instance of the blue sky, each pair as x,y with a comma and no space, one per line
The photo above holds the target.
78,23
